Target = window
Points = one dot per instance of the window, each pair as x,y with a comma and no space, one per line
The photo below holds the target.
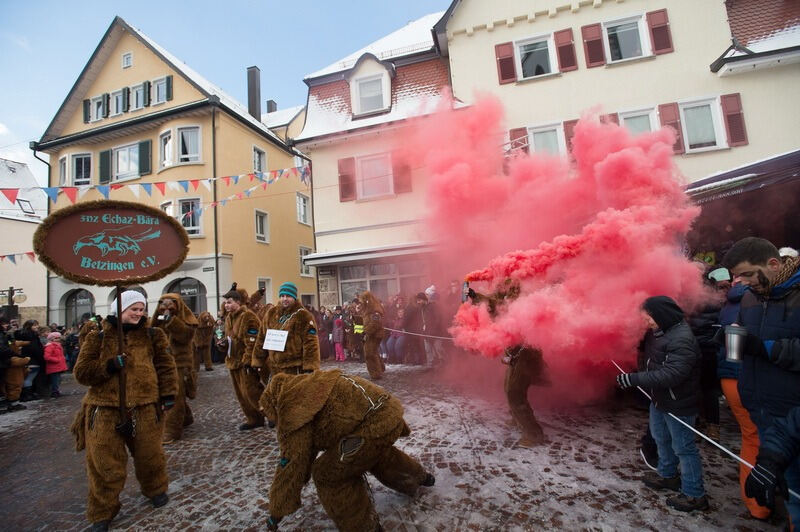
126,161
547,139
370,94
97,109
165,157
702,127
127,60
262,227
375,176
167,208
638,122
302,209
190,217
535,57
189,139
259,160
305,270
266,284
116,103
160,88
81,169
137,97
62,171
299,161
626,39
25,206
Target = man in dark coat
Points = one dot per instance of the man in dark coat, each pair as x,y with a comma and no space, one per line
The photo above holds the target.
780,446
672,377
769,381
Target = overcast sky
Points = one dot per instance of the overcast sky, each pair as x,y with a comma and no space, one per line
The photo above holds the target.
44,45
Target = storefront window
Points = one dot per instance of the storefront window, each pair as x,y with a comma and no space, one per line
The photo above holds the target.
192,291
80,304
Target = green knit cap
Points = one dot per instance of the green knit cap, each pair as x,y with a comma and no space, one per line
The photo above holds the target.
288,289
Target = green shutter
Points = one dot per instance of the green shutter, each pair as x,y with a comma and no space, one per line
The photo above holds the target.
105,166
87,111
106,104
126,99
144,157
169,87
146,94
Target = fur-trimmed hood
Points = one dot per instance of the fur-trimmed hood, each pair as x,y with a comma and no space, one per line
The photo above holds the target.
183,312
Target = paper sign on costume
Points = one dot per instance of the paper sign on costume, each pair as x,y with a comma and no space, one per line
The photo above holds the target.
275,340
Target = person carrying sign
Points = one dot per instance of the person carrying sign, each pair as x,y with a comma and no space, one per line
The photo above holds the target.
289,335
241,330
175,318
150,387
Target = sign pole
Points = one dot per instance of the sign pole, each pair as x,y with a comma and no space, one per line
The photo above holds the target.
123,414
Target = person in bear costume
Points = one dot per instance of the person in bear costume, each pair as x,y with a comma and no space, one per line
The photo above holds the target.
202,340
372,313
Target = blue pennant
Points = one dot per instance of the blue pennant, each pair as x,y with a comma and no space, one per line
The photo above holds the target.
104,189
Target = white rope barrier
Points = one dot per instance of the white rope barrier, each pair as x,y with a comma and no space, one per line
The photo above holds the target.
423,335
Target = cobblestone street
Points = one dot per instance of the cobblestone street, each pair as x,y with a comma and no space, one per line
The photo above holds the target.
588,477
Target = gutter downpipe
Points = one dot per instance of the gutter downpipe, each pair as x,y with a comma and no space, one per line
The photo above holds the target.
214,102
33,146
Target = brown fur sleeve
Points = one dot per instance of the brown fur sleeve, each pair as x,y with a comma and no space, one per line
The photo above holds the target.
373,325
259,355
89,369
311,354
164,364
292,472
250,330
179,330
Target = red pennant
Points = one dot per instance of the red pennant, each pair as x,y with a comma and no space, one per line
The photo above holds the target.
11,194
227,180
213,204
264,185
251,176
116,187
71,193
294,171
195,183
239,195
31,255
161,186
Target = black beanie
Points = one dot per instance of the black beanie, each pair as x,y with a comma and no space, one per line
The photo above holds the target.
664,311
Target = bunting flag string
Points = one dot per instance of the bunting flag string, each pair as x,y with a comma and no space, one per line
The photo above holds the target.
12,257
77,192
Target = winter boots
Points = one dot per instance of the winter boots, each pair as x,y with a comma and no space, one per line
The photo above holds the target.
684,503
657,482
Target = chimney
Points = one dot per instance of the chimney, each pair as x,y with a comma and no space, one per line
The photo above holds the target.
271,106
254,92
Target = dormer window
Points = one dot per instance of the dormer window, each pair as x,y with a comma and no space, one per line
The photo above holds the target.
370,94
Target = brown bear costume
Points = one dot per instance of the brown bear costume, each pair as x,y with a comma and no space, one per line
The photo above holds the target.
174,317
301,353
151,379
354,424
202,340
526,368
372,313
241,330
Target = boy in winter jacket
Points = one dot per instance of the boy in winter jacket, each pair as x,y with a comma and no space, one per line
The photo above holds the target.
672,377
55,362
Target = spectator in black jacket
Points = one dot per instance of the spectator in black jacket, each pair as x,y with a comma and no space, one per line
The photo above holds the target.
36,385
780,447
672,377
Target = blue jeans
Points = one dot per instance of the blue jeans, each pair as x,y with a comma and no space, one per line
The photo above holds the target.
763,421
55,382
676,446
33,371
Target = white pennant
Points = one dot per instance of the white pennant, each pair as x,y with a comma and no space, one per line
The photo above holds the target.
172,185
207,184
135,189
82,190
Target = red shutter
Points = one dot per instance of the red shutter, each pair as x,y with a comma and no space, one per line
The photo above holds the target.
347,179
565,46
660,36
569,132
506,69
401,174
519,139
670,115
593,45
610,118
734,119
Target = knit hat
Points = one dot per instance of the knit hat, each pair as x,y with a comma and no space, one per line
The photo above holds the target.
664,311
55,335
720,274
288,289
129,297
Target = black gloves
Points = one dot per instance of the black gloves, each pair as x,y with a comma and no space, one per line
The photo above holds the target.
272,523
764,478
114,365
167,402
624,380
754,346
471,293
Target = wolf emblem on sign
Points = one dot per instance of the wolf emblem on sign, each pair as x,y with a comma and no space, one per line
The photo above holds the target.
122,244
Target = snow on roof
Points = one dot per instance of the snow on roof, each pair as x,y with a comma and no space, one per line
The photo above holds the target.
18,175
785,38
226,100
281,117
413,37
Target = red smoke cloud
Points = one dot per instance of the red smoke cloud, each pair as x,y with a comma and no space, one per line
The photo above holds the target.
588,239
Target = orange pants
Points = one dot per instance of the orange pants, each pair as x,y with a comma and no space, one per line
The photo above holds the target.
750,442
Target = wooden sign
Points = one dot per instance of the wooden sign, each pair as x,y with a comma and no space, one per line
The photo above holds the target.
111,243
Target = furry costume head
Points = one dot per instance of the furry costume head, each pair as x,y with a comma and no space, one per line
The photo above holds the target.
291,401
173,303
371,303
206,319
254,302
237,294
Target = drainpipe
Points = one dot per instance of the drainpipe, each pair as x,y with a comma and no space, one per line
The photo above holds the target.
33,145
214,102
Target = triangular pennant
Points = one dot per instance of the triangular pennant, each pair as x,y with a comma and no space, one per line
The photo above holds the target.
72,193
172,185
223,202
160,187
200,211
264,185
227,180
52,193
236,179
207,184
31,255
294,171
135,190
185,184
82,190
148,187
11,194
251,176
104,190
12,258
116,187
195,183
2,258
248,192
187,214
260,176
213,204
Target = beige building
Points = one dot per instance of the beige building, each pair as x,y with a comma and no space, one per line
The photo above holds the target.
139,116
721,73
18,221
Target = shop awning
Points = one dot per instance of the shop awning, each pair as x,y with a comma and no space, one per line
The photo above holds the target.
358,255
